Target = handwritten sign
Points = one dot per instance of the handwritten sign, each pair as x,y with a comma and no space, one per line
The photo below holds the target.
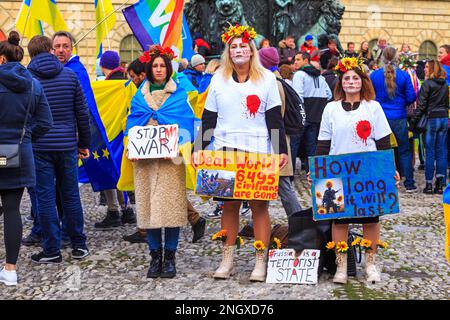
238,175
284,267
357,185
153,142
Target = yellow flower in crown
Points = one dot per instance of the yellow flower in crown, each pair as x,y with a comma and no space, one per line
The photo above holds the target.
245,32
347,64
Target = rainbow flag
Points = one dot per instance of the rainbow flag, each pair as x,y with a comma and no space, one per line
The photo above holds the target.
160,22
446,200
34,12
103,8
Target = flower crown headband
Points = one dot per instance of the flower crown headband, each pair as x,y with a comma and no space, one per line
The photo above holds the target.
159,51
245,32
347,64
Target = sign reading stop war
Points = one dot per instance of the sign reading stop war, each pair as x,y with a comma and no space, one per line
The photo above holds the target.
357,185
238,175
152,142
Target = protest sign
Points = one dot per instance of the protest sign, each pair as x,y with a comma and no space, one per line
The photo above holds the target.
151,142
284,267
357,185
238,175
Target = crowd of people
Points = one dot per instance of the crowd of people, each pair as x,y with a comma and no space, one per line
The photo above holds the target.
44,113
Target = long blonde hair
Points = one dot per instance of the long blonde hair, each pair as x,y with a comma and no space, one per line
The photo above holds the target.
212,66
389,59
227,66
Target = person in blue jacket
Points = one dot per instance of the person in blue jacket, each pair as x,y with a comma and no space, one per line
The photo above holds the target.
195,70
15,94
394,91
57,153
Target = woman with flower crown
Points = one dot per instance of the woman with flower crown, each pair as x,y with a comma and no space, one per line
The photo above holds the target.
243,110
354,122
160,184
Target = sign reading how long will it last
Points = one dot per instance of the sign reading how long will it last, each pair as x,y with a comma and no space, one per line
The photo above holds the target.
357,185
151,142
238,175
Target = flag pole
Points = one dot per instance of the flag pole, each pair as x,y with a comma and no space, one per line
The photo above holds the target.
26,21
99,23
106,27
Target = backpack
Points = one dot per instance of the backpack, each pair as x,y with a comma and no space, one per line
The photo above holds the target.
294,115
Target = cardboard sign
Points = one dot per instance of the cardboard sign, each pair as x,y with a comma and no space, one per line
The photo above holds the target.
357,185
284,267
151,142
238,175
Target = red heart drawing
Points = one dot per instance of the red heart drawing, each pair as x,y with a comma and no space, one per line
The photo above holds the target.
253,104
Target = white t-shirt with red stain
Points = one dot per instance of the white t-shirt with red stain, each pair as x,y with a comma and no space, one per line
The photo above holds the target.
241,109
353,131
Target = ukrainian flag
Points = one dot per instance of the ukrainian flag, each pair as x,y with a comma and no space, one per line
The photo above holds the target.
34,12
447,221
103,9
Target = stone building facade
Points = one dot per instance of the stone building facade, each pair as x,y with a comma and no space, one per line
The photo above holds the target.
423,24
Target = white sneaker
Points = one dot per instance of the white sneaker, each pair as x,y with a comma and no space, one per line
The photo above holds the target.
8,277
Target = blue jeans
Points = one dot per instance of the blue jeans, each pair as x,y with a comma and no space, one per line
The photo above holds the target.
436,148
400,130
308,138
171,236
59,168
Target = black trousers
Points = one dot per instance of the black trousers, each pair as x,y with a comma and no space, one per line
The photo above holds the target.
11,199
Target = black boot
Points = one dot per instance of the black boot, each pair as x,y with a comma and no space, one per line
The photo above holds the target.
169,270
112,220
154,271
428,188
438,187
128,216
199,229
102,200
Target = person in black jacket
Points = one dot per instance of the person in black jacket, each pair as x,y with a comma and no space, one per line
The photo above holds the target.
433,101
15,95
57,153
110,65
328,53
330,76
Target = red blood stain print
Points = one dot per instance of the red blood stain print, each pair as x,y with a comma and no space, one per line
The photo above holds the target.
363,130
296,263
253,103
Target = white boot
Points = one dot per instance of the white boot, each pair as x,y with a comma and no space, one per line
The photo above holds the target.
226,268
260,271
373,275
341,273
8,277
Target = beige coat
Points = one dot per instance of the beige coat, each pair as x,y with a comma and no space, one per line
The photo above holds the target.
288,170
160,185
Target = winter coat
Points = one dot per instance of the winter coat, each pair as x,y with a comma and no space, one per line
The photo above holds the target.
66,99
332,79
194,76
395,108
326,56
433,99
285,52
446,65
310,50
364,55
203,47
117,74
348,54
160,184
313,90
15,87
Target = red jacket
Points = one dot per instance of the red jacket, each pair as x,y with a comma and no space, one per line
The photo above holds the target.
310,50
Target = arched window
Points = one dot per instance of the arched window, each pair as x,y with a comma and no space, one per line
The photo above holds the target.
372,43
2,36
428,50
130,49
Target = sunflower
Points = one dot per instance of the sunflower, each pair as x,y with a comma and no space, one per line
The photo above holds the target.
318,195
366,244
349,63
356,242
239,242
321,211
329,184
277,243
221,235
259,245
382,244
340,198
342,247
330,245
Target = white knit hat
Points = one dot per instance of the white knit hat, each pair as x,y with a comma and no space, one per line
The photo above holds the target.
196,60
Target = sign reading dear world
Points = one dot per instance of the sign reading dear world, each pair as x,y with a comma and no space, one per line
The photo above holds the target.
357,185
151,142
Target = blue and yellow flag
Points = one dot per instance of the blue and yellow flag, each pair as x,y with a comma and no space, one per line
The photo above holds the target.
103,9
447,221
34,12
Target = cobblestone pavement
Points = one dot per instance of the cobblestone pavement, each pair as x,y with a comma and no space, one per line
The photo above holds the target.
414,266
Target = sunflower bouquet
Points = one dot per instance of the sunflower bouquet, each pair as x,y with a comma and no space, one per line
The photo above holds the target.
222,236
259,245
341,247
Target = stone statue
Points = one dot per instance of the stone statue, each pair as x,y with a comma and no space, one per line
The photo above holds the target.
272,19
